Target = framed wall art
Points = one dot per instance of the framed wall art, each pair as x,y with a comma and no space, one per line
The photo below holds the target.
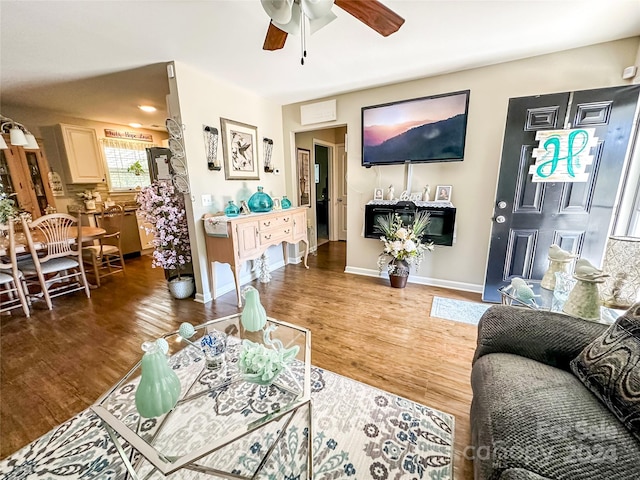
239,145
304,177
378,194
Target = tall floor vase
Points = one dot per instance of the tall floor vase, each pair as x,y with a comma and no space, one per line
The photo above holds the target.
398,273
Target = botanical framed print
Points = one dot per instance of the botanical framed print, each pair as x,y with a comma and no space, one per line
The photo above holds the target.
304,177
240,149
443,193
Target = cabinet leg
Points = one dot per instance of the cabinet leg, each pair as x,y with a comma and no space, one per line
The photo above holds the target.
236,277
285,252
212,280
306,251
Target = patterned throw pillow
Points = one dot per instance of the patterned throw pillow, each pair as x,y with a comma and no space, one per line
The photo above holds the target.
610,368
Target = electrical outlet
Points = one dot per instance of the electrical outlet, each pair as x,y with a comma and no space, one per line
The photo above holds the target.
207,200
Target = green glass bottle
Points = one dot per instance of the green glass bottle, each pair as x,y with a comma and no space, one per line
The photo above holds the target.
260,201
232,209
159,387
286,203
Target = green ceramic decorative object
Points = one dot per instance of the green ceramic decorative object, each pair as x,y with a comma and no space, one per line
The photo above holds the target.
254,316
261,364
159,387
285,203
584,299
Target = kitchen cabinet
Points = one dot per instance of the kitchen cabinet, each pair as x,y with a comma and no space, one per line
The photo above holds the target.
238,239
84,162
24,173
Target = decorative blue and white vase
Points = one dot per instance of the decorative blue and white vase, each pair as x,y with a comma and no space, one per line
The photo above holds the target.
214,346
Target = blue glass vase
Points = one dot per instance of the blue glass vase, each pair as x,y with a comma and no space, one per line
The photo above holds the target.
260,202
285,203
232,210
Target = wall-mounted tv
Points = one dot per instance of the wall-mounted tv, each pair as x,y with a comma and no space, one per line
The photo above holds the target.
427,129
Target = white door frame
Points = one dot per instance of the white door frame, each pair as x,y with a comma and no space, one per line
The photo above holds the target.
333,205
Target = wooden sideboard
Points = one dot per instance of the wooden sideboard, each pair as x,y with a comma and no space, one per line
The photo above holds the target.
246,237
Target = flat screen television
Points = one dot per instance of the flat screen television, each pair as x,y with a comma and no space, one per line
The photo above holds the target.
427,129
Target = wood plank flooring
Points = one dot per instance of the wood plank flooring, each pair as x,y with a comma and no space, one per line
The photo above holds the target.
55,364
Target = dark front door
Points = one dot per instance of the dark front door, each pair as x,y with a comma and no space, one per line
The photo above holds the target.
530,216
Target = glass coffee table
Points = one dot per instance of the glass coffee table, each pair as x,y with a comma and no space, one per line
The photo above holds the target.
545,300
223,424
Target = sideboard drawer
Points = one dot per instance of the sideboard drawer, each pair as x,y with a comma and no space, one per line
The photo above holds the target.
279,221
272,236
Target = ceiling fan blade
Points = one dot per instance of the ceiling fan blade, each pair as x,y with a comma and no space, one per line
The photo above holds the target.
275,38
373,14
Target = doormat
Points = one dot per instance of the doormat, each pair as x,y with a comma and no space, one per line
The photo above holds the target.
458,310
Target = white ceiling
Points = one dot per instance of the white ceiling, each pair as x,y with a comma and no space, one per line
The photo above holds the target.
100,59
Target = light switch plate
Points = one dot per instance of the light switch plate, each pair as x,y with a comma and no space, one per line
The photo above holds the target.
207,200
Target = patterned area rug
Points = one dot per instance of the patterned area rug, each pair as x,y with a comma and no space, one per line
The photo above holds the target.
359,432
458,310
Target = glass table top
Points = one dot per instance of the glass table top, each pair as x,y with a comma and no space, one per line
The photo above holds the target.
217,404
546,300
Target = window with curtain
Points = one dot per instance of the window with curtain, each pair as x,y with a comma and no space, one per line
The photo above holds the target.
121,155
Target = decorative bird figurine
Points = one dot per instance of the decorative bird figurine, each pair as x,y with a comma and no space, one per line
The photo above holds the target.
558,254
586,271
517,282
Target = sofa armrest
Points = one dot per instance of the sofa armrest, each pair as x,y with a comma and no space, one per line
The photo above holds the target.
520,474
548,337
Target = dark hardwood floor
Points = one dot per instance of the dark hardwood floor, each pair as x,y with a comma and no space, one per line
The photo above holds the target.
57,363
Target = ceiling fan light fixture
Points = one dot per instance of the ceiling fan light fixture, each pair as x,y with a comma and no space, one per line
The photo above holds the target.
315,9
293,26
280,11
3,144
318,23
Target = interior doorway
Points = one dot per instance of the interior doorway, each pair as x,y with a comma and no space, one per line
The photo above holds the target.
322,157
327,215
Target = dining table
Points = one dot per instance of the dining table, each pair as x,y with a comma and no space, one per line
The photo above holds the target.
88,235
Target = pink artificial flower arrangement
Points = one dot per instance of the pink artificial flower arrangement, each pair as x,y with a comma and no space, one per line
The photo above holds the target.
164,209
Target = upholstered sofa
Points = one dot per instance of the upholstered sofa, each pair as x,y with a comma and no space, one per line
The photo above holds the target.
532,418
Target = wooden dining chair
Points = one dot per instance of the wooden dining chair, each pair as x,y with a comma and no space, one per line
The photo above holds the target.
55,243
11,288
106,257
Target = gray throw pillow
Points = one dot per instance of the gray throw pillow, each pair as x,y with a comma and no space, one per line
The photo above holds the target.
610,368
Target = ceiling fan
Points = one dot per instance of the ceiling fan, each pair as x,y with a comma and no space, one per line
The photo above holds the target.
288,16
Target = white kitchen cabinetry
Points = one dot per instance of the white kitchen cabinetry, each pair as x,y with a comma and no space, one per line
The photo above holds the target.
84,159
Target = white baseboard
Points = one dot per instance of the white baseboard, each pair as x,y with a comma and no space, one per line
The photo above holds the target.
432,282
230,286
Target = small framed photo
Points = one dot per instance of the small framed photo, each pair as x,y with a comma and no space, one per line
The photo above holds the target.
415,196
378,194
443,193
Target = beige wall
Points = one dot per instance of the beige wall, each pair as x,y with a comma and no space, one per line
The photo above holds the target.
473,180
43,124
197,99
